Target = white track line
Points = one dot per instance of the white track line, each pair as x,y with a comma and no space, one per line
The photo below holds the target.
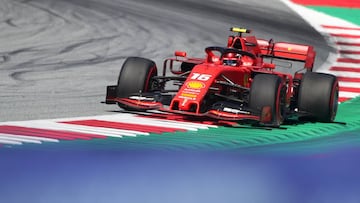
341,31
16,138
351,56
50,125
346,65
156,122
5,141
344,94
349,84
344,74
135,119
346,40
42,139
348,48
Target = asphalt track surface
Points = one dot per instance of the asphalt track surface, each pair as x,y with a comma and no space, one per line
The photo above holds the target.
57,56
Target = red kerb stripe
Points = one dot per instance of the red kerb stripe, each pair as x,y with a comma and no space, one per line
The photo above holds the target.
348,60
348,44
349,89
345,69
124,126
348,79
349,52
334,3
340,27
345,35
343,99
55,134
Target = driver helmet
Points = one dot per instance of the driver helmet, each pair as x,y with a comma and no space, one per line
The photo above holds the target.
230,59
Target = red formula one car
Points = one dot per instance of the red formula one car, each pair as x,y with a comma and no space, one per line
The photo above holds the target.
238,82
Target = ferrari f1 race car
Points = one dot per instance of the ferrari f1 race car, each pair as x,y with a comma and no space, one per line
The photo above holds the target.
237,82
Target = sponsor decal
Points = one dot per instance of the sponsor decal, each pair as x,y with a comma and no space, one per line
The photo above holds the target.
195,85
188,95
192,90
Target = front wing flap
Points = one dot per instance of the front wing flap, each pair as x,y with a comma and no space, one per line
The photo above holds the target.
141,105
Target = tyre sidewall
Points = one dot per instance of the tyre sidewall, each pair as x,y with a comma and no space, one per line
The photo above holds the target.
135,76
318,96
265,91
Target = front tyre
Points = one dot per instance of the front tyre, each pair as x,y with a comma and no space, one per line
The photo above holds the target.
265,92
135,76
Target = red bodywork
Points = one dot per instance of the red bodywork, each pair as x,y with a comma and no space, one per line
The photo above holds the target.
210,76
201,79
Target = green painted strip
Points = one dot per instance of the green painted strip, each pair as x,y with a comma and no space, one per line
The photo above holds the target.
349,14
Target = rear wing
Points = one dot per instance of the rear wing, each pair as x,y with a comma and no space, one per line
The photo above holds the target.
288,51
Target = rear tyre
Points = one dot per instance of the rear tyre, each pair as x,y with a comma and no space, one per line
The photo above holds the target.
135,76
265,92
318,96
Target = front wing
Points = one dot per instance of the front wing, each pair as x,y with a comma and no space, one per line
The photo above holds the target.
141,103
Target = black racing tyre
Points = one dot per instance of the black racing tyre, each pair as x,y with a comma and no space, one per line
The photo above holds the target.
318,96
135,76
265,91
